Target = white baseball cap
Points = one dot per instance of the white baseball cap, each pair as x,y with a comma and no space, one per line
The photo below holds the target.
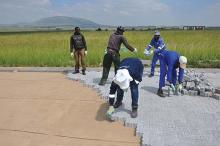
183,62
123,78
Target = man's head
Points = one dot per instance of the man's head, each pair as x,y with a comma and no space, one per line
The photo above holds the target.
123,79
157,35
183,62
120,30
77,29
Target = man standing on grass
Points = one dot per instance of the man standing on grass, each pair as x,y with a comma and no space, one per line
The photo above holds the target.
170,62
159,45
112,54
78,43
128,75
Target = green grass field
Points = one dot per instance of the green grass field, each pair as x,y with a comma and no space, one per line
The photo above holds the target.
202,48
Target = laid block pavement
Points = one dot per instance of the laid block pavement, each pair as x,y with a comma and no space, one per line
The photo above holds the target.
171,121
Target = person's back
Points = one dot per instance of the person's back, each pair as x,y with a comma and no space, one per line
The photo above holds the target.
112,53
170,57
115,41
134,66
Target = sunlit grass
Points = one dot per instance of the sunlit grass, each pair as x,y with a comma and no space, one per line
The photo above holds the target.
202,48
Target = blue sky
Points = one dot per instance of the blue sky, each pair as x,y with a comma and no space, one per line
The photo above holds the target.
115,12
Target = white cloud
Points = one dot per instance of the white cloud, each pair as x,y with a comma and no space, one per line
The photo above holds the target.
112,12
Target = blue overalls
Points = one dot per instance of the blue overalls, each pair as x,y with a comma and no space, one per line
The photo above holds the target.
168,65
159,47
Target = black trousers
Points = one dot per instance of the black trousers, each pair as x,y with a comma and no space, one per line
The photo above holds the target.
110,58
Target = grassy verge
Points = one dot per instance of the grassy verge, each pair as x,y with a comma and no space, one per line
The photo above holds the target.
202,48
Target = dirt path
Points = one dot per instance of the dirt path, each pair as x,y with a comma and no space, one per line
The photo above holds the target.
46,109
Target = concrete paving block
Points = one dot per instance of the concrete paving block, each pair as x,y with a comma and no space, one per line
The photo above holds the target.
216,96
185,92
193,93
217,90
208,94
202,94
152,131
132,123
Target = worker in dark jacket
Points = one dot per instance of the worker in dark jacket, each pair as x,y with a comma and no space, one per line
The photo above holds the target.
112,54
128,75
158,43
170,62
78,43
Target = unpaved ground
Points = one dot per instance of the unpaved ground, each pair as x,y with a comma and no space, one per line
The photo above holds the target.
46,109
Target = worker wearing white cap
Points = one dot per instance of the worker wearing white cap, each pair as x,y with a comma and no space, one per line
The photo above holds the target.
128,75
158,43
170,62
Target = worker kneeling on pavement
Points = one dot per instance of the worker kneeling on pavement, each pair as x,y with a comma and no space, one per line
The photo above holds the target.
170,62
129,74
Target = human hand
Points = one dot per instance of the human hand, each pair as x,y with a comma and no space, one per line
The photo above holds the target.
86,52
110,111
147,52
71,54
135,50
179,87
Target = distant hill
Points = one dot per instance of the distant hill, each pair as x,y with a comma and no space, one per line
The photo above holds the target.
64,21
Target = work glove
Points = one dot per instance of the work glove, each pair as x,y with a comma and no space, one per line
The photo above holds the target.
71,54
110,111
135,50
179,87
105,51
170,85
148,52
86,52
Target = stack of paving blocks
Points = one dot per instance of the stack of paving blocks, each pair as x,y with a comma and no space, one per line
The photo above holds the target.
197,85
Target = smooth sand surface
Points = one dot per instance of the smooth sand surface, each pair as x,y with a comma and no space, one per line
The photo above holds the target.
47,109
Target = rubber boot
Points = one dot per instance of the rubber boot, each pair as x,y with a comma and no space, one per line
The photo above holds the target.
160,93
84,72
134,113
104,77
118,102
150,75
76,71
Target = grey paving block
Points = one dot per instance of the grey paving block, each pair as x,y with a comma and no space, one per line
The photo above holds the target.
172,121
216,96
217,90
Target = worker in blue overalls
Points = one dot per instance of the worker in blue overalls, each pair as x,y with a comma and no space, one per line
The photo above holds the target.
159,45
170,62
129,74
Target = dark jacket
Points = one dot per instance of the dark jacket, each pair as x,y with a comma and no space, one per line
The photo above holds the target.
134,67
115,42
77,41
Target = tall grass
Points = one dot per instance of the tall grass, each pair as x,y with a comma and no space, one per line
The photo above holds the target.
202,48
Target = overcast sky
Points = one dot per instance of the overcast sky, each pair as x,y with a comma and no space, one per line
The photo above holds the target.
115,12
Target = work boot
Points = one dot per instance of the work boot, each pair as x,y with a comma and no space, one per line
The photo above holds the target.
76,71
102,82
160,93
150,75
134,113
117,104
104,76
84,72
